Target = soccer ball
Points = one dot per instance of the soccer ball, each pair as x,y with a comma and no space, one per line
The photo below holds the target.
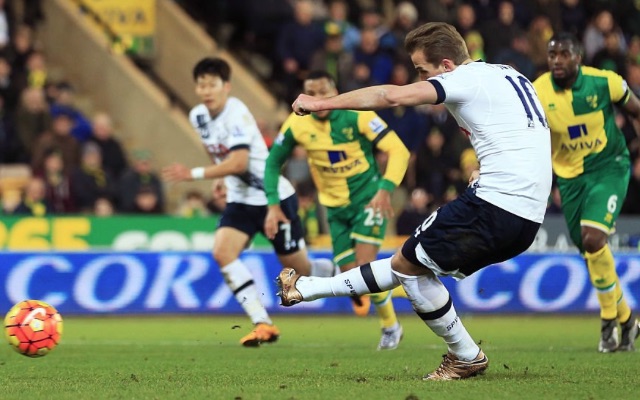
33,328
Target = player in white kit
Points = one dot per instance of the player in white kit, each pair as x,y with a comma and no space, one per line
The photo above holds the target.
232,139
495,219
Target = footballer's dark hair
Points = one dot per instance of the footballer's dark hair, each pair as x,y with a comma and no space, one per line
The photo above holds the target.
568,37
212,66
319,74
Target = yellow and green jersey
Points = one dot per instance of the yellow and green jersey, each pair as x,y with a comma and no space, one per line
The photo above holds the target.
340,151
584,134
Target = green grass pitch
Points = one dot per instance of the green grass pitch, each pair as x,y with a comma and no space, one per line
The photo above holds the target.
317,357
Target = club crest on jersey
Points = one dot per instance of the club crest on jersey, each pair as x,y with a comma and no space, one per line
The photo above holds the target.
348,132
201,120
236,132
592,101
376,125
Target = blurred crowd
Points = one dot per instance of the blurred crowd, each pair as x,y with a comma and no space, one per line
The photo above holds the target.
78,165
75,162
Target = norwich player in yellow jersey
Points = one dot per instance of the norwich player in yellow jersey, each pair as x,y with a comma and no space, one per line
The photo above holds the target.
591,161
340,146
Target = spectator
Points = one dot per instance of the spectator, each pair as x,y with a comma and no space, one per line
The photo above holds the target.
32,121
432,167
517,56
610,57
475,45
103,207
573,17
539,33
147,201
466,25
11,150
414,213
6,24
499,33
18,53
193,205
36,72
297,42
630,17
9,90
405,21
113,157
57,182
378,63
32,12
333,58
594,36
64,103
371,20
91,181
465,19
338,12
455,141
10,201
439,11
633,54
34,202
60,138
140,175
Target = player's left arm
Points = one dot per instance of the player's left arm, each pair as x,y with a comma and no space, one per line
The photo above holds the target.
386,140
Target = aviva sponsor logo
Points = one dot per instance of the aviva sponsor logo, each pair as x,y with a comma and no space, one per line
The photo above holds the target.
580,132
343,168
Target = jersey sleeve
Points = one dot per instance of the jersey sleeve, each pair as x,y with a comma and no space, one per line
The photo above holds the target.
385,139
278,155
618,88
453,88
241,128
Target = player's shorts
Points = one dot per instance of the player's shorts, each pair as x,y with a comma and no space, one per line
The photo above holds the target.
351,224
593,199
466,235
250,220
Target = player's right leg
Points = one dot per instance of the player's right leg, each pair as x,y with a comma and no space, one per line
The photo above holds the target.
431,302
236,227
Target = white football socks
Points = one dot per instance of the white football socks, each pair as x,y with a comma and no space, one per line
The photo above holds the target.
432,302
240,281
353,282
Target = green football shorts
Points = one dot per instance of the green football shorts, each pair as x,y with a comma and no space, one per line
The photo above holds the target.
593,199
351,224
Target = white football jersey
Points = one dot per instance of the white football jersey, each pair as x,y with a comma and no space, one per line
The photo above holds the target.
497,107
235,128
